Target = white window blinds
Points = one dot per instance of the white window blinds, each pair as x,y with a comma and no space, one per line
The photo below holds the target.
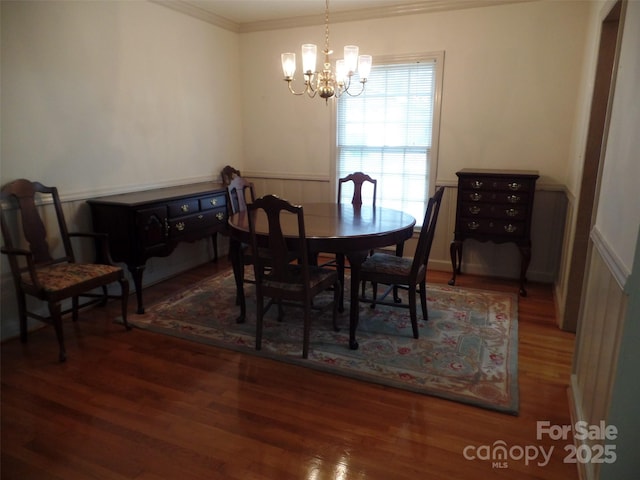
387,132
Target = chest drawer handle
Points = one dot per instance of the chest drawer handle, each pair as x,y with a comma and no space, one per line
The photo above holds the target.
477,184
220,216
510,228
213,202
474,210
515,186
475,196
200,217
512,212
180,226
185,208
513,198
473,225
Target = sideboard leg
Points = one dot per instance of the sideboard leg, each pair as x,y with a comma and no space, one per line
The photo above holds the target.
214,241
525,253
136,273
456,259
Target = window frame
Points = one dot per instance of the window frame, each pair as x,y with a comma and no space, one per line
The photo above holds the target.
432,167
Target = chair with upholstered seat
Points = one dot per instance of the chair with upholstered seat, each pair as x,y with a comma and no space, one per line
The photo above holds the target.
403,272
38,273
277,277
359,180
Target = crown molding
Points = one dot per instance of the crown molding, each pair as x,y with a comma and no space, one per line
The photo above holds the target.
413,8
199,13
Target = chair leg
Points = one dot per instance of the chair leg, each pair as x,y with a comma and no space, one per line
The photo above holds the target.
340,268
259,315
337,288
307,330
74,308
374,289
105,296
22,313
412,310
124,290
56,316
423,300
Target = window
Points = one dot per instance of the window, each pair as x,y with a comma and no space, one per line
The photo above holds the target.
390,132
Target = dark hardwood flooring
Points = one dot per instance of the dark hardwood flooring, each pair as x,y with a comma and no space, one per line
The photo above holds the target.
140,405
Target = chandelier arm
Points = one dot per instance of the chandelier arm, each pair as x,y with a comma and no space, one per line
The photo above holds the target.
356,94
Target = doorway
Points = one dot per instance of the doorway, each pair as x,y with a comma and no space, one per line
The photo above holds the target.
601,102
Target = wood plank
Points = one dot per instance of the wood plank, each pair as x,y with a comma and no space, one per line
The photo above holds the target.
147,406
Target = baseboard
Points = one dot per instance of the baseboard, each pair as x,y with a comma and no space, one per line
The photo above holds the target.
585,470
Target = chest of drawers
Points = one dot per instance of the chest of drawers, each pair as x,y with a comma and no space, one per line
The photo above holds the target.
494,205
151,223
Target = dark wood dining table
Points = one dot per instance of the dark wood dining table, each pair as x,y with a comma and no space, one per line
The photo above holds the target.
331,228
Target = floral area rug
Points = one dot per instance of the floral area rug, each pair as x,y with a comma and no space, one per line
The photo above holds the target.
467,350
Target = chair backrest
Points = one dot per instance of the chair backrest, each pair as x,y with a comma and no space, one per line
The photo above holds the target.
279,249
237,190
423,249
228,173
23,193
358,178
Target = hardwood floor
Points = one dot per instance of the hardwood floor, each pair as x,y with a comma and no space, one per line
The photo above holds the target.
140,405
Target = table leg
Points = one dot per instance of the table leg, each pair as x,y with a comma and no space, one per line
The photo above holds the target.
235,254
355,260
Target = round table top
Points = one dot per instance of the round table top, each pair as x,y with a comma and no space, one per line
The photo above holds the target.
334,227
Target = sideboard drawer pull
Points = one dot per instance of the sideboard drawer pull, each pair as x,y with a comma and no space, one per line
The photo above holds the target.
185,208
473,225
214,202
512,212
180,226
475,197
515,186
513,198
474,210
220,216
510,228
477,184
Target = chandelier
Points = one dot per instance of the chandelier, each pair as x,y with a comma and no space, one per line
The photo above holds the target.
326,83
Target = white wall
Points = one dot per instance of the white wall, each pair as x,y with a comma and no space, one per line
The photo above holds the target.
509,96
105,96
618,214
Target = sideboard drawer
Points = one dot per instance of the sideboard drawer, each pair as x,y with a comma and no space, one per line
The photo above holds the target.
218,201
482,210
183,207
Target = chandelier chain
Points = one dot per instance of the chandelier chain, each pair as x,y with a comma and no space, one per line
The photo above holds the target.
326,28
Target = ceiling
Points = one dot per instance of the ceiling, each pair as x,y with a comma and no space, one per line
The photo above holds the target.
249,11
254,15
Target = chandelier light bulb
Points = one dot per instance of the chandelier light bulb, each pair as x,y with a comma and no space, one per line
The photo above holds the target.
309,55
288,65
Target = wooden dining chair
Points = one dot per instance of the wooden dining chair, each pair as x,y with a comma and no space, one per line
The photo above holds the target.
228,173
405,273
240,192
358,179
38,273
277,277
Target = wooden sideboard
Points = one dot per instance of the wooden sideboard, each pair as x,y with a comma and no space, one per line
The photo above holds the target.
494,205
150,223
